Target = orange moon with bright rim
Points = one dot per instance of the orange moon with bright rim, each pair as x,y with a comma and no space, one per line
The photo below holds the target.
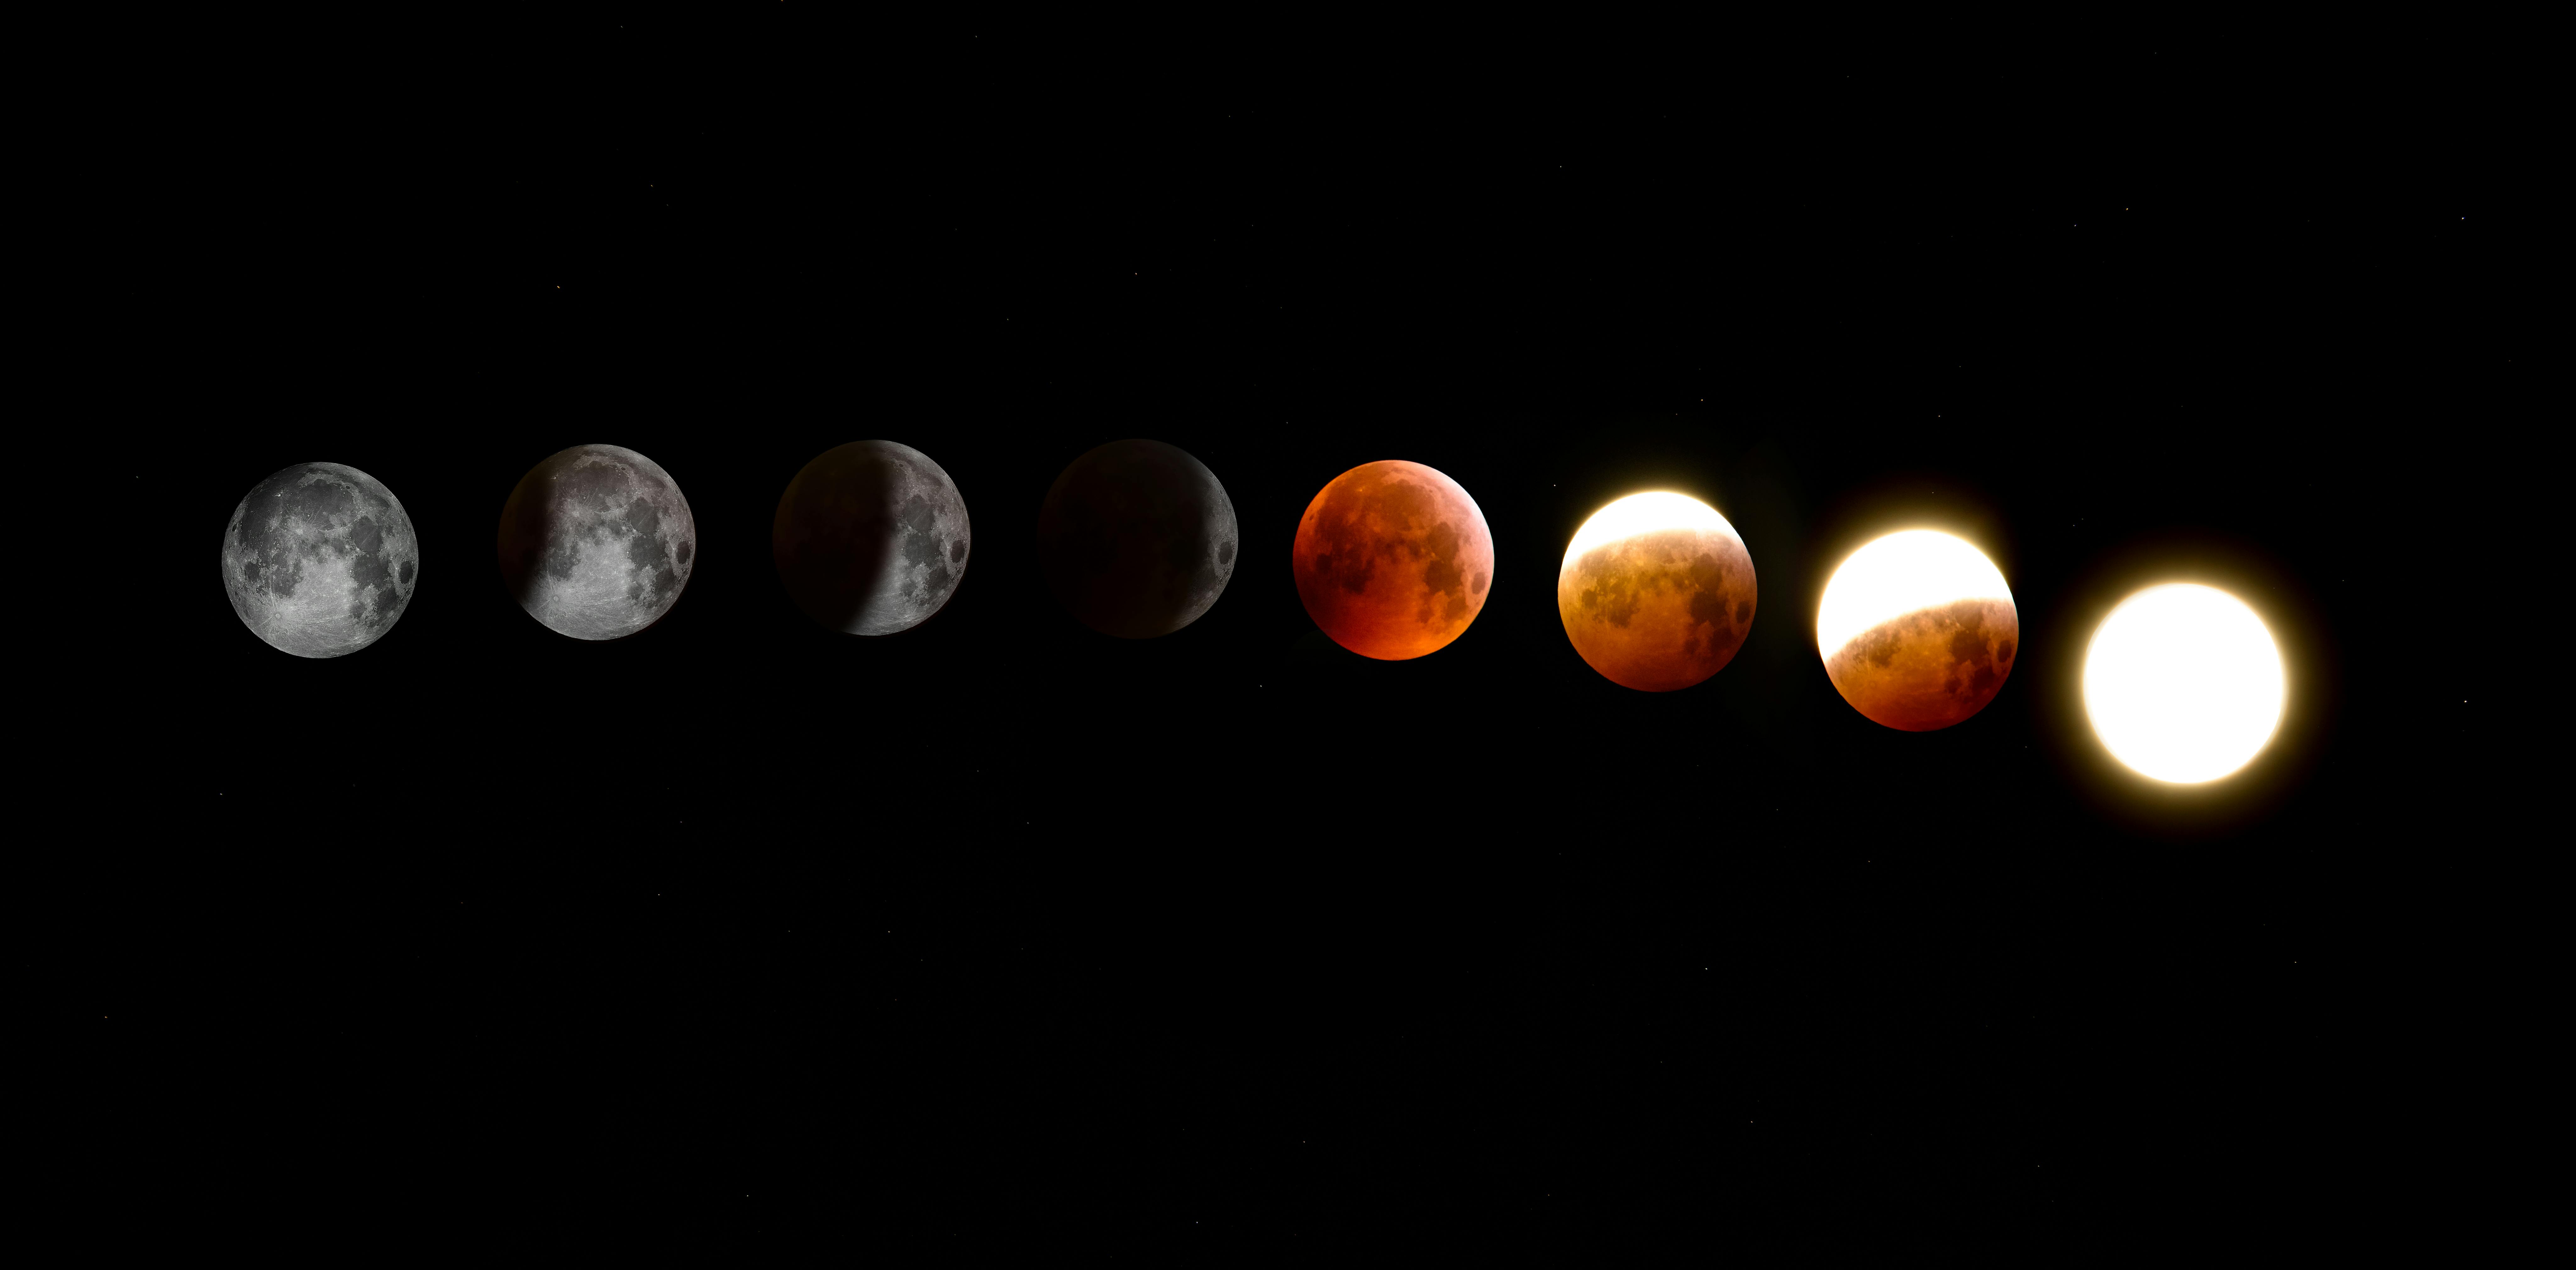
1918,630
1656,591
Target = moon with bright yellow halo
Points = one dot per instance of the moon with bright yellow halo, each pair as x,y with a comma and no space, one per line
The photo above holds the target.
2183,683
1918,630
1656,591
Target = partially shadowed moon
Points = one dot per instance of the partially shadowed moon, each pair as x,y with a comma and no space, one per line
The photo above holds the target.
1918,630
596,542
1393,560
319,560
870,538
1136,539
1656,591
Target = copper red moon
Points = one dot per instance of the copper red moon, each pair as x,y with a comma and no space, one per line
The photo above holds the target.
1393,560
1931,668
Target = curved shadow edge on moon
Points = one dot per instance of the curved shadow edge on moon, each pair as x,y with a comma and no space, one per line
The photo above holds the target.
320,560
1137,539
1393,560
871,538
596,542
1931,668
1659,611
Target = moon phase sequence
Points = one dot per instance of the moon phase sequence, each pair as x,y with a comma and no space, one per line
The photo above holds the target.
596,542
1393,560
1656,592
871,538
320,560
1918,630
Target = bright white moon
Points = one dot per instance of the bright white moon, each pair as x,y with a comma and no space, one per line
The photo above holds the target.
2183,683
1899,574
1645,513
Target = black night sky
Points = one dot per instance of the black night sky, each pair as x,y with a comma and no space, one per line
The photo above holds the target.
1001,929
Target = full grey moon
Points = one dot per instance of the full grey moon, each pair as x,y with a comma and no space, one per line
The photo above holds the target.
871,538
596,542
319,560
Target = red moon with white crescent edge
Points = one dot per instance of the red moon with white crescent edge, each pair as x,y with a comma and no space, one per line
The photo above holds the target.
1393,560
1656,592
1918,631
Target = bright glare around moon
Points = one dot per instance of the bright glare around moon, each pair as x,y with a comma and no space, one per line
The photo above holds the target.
1918,630
1898,574
1645,513
2183,683
1656,591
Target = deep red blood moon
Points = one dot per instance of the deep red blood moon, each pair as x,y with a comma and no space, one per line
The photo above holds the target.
1393,560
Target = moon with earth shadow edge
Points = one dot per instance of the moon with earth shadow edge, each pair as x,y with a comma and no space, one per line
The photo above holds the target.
320,560
1137,539
871,538
1918,630
1657,591
1393,560
596,542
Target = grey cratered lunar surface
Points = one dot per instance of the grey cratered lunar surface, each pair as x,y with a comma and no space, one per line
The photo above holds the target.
870,538
320,559
596,542
1136,538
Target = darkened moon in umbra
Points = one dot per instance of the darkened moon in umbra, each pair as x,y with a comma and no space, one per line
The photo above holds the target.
870,538
596,542
1393,560
1656,592
1136,539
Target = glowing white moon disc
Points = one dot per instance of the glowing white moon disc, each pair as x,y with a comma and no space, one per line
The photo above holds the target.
2183,683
